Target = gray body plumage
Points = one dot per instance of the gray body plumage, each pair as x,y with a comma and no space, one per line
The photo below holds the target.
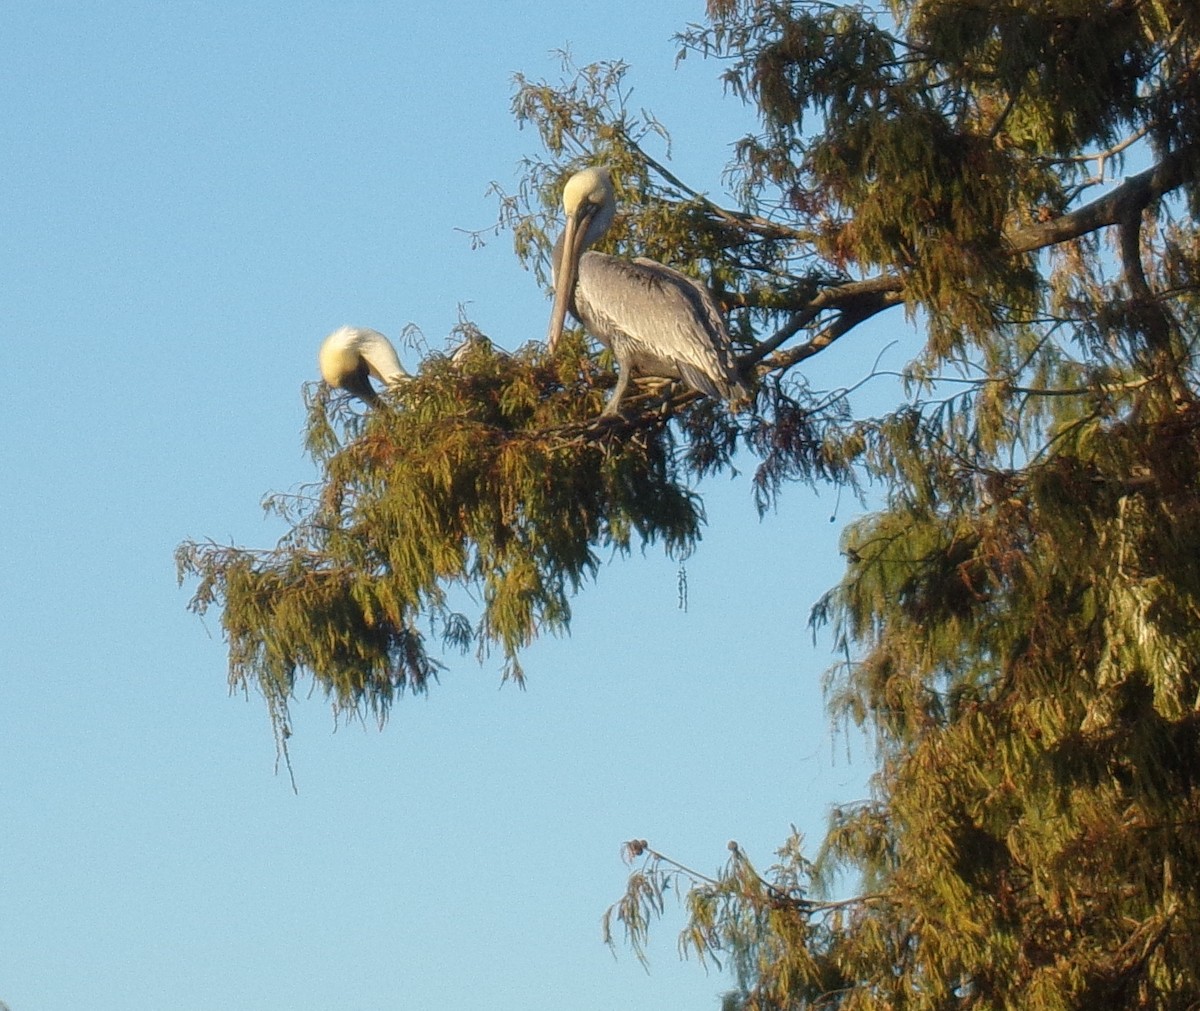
656,321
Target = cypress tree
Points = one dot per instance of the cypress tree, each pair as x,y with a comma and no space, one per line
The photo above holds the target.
1020,620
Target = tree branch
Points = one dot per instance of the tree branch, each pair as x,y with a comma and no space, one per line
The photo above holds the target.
861,309
860,300
1132,196
737,219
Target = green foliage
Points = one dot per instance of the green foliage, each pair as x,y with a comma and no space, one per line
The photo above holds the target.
469,509
1030,669
486,474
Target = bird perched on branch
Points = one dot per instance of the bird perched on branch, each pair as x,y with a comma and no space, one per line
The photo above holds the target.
350,355
657,321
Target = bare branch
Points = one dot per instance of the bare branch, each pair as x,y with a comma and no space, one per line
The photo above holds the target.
858,312
738,219
1132,196
860,300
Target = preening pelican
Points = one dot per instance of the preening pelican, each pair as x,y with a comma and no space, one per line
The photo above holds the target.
350,354
657,321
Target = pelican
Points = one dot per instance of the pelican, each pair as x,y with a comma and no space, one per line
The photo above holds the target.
350,354
657,321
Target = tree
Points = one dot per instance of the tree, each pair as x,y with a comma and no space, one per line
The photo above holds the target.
1021,619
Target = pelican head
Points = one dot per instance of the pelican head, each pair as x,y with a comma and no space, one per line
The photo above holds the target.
590,205
349,355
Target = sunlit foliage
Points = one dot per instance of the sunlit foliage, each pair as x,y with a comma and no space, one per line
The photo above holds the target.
485,473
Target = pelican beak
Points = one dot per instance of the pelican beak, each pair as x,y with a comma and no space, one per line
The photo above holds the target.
568,270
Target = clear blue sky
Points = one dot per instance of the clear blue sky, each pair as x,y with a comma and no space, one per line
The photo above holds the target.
193,195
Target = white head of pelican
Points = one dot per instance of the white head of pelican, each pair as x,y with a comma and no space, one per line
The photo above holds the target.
657,321
349,355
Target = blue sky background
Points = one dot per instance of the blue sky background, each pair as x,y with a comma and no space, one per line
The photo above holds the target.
193,195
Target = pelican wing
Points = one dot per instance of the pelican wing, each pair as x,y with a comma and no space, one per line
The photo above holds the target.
667,323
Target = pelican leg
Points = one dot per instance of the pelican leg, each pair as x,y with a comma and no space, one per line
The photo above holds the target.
614,401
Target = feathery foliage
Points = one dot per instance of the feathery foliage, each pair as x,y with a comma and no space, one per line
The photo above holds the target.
486,474
1020,622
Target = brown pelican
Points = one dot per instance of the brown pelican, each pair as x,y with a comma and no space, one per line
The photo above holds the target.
657,321
350,354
